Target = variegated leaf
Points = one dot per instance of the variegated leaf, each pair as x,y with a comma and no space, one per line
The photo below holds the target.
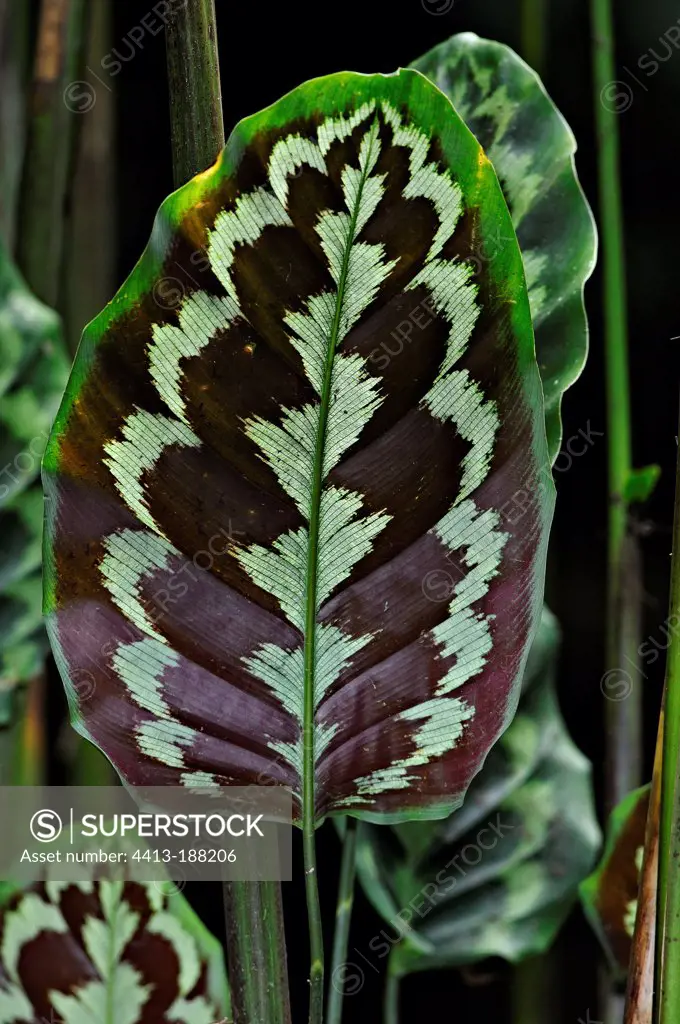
107,952
499,876
33,373
504,103
282,478
610,894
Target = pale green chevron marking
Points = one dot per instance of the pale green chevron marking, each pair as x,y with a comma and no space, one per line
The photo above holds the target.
454,296
163,739
14,1005
140,666
339,128
193,1011
146,436
119,995
198,780
252,213
282,569
292,446
465,633
201,318
168,927
458,398
442,729
427,180
93,1002
283,670
130,556
288,155
21,926
289,448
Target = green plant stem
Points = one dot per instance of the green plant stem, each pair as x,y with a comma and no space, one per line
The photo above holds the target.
533,989
196,118
622,716
668,906
88,272
51,134
15,51
316,970
343,919
533,33
257,953
391,997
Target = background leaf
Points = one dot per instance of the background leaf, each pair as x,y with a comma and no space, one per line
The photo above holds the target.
609,895
111,951
33,374
504,103
499,876
271,522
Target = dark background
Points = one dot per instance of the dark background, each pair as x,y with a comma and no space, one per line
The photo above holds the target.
267,49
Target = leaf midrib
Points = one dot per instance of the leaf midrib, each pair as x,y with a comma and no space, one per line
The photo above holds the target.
309,763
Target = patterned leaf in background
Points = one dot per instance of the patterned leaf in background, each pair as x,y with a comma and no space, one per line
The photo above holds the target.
504,103
499,876
33,374
609,895
280,477
107,951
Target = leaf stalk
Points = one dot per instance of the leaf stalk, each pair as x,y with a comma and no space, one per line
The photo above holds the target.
343,920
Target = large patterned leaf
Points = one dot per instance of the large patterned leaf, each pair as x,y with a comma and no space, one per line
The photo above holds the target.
505,105
610,894
278,541
107,951
33,374
499,876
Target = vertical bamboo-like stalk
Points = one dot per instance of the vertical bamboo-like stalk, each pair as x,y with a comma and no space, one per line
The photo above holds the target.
343,919
51,131
622,678
196,118
42,200
88,275
668,904
622,715
533,33
88,268
254,917
14,74
257,953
